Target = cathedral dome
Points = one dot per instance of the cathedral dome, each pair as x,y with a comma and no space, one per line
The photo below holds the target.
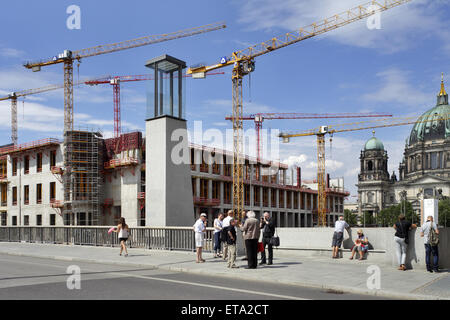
430,125
373,144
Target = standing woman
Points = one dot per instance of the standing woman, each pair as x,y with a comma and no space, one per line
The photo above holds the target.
251,232
123,231
401,239
218,226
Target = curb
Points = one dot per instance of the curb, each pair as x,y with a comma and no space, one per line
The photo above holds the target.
340,289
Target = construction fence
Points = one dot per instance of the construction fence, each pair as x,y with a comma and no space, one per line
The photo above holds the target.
155,238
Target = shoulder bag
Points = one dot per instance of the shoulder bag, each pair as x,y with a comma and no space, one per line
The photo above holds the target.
275,240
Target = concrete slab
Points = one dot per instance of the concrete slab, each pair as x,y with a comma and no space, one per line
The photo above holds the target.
317,272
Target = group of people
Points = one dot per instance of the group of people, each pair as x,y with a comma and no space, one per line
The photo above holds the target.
401,239
225,237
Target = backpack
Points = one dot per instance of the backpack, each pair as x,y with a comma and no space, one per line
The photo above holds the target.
433,238
224,234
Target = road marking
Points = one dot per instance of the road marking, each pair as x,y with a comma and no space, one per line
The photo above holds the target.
34,263
214,287
274,295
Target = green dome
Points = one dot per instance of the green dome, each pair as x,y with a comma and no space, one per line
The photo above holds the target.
429,127
374,144
435,123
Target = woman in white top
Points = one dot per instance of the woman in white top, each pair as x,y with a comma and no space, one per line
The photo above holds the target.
218,226
123,231
200,229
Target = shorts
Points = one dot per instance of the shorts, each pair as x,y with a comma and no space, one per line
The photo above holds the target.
362,248
337,239
199,240
123,239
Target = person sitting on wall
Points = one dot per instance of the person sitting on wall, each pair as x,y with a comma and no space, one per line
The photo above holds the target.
361,245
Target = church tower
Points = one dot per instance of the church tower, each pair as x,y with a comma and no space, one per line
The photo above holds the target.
373,179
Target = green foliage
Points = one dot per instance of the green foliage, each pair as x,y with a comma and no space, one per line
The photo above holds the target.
367,219
350,218
444,212
387,217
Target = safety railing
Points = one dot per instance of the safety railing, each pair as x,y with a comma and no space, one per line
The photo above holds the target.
155,238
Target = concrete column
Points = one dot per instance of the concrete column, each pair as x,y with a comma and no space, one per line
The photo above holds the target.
168,188
270,197
197,159
210,187
197,187
260,196
221,191
278,198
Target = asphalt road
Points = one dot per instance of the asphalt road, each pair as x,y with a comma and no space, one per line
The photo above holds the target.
27,278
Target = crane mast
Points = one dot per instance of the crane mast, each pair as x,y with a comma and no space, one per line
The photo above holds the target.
243,63
346,127
68,57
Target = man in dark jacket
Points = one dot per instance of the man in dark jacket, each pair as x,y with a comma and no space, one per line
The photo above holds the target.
268,229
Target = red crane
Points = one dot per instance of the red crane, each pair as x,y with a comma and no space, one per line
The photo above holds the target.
259,118
115,82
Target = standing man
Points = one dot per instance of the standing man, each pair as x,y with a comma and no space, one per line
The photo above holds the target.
231,241
200,229
430,247
226,223
338,235
267,225
251,235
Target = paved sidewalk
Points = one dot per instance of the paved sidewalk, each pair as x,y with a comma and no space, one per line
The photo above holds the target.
317,272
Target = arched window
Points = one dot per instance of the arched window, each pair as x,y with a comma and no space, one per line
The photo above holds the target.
370,197
370,165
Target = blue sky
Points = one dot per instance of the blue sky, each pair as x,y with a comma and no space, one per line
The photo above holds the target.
396,69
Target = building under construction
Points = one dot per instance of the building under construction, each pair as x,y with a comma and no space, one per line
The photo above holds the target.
94,181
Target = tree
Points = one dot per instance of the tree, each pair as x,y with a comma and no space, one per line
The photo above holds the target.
444,212
389,216
350,218
367,219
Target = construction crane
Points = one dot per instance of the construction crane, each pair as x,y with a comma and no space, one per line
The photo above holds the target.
321,131
13,96
68,57
243,62
115,83
259,118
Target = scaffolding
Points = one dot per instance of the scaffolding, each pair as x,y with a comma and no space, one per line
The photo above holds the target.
83,192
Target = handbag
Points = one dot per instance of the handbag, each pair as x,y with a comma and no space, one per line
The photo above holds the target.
275,240
260,247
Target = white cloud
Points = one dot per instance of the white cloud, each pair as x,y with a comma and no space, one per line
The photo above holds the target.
11,53
396,87
400,27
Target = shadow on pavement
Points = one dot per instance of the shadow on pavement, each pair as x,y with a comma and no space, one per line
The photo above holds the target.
83,273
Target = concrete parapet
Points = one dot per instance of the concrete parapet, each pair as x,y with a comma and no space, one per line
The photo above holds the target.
317,241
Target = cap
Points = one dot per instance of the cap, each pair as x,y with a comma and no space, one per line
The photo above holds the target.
203,215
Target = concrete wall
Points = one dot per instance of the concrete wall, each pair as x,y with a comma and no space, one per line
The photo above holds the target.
310,241
32,179
168,188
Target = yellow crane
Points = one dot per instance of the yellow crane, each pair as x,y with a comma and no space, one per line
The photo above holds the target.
243,62
13,96
321,131
67,57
